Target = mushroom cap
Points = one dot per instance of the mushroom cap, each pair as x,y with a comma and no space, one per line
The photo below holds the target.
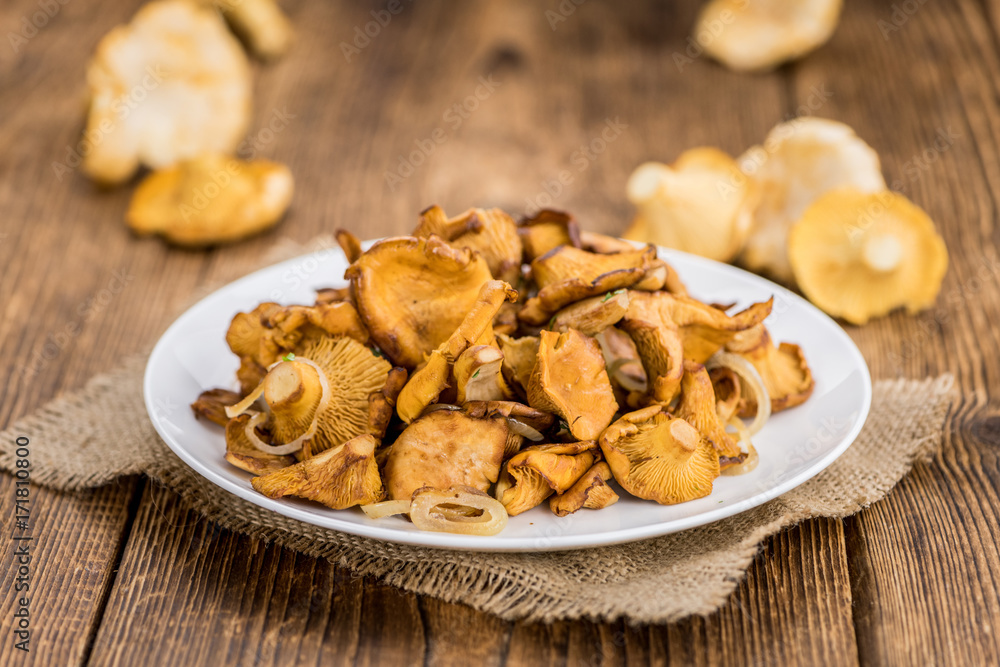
591,316
490,232
659,457
566,262
760,35
546,230
413,293
519,357
196,84
175,201
697,406
570,380
540,308
801,160
786,375
538,471
702,328
701,204
340,477
446,448
211,404
591,491
859,256
242,453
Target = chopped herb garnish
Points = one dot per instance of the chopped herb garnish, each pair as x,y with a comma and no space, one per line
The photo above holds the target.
563,426
612,294
552,323
289,357
377,352
475,375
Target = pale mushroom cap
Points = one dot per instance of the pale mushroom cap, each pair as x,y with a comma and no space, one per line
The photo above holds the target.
211,199
761,34
859,256
170,85
801,160
701,204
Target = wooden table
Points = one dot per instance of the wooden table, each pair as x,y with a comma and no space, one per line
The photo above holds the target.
125,575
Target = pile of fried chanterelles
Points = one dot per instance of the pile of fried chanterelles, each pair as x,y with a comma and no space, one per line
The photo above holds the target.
481,367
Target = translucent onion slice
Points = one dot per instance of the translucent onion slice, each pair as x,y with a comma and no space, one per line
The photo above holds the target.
748,464
754,382
386,508
521,428
244,405
744,433
460,509
278,450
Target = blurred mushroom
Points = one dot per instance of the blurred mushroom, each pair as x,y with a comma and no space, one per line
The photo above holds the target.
760,35
350,244
490,232
340,477
603,244
195,84
538,471
211,199
260,24
700,204
801,160
547,230
659,457
593,315
245,456
445,448
570,380
413,293
212,403
859,256
590,491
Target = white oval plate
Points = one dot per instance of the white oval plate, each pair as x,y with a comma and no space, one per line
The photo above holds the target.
794,445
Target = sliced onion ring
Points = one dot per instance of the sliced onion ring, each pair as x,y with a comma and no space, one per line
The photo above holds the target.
244,405
754,382
277,450
749,463
460,509
386,508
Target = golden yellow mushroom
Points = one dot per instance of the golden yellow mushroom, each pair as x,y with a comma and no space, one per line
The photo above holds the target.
859,256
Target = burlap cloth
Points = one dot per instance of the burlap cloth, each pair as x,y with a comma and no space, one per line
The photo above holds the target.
88,438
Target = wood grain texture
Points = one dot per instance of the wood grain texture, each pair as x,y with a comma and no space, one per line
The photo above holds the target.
912,580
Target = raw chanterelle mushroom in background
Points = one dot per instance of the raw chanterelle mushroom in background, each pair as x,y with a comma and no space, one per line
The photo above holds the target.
195,84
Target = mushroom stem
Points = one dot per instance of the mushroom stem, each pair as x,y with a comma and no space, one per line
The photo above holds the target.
882,253
292,386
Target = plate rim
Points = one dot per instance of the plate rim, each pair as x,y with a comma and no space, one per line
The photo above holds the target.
448,541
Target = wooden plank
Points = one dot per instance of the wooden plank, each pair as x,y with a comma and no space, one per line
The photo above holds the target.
924,563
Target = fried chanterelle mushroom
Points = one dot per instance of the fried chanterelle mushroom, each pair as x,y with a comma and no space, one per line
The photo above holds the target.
799,161
183,81
413,293
700,204
341,477
758,35
659,457
211,199
428,389
261,25
859,256
570,380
